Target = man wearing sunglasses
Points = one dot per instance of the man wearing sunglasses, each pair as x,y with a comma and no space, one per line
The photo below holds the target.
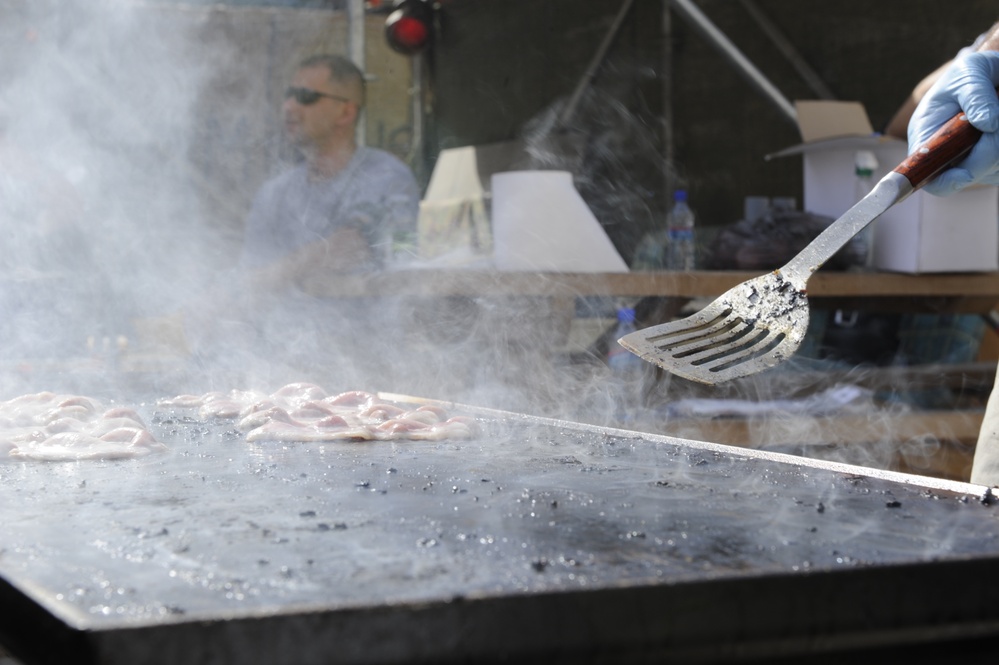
345,207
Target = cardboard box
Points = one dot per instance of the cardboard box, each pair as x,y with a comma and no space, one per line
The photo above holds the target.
924,233
480,206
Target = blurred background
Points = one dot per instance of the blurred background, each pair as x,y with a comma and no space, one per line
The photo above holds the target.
192,90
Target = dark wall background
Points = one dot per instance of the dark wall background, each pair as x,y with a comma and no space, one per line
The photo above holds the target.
502,70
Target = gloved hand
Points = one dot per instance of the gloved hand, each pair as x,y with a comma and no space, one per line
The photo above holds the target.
969,84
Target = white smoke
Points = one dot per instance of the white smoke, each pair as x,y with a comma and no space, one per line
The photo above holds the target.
103,218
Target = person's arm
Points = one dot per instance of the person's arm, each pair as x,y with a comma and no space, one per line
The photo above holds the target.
966,84
899,124
344,250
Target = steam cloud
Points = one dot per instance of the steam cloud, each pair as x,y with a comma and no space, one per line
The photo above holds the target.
124,176
119,103
101,222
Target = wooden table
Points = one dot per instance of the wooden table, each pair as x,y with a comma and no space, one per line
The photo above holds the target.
964,292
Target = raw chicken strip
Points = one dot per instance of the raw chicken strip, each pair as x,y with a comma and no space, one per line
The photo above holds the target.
118,444
48,426
304,412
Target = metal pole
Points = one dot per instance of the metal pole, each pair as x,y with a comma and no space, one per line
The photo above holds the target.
416,150
355,46
667,114
595,62
788,50
689,11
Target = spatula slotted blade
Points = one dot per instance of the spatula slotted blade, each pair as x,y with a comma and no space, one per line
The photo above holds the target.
760,323
749,328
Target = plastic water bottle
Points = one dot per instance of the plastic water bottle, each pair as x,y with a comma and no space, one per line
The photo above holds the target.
680,229
622,361
864,164
627,369
651,251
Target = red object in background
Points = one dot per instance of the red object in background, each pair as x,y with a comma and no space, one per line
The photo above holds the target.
409,27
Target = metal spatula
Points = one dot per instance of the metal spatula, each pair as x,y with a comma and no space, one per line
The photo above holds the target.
761,322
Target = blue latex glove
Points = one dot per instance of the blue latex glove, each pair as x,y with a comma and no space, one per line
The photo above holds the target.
969,84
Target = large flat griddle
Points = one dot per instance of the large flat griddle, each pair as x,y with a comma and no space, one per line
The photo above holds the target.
540,540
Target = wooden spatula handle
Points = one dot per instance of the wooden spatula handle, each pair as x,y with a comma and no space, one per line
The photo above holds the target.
948,145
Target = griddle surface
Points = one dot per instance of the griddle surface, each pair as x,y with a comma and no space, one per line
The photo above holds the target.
313,546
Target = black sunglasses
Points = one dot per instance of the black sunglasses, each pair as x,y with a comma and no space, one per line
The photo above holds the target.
307,96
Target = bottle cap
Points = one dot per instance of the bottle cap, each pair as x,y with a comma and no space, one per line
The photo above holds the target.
626,315
680,195
865,159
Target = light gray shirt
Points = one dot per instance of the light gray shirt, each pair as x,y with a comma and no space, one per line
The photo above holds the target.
376,194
